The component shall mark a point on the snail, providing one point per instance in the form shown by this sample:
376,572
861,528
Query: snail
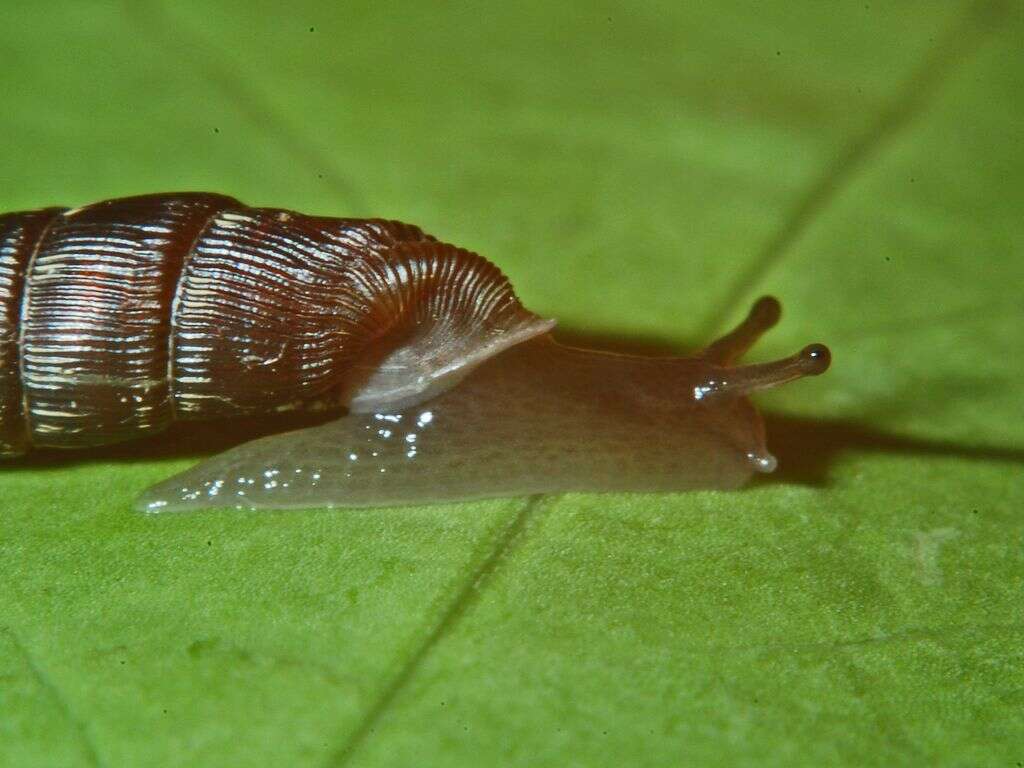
120,317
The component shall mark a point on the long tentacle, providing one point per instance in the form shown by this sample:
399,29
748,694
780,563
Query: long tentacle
729,348
812,360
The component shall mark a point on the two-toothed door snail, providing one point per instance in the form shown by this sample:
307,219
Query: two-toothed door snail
120,317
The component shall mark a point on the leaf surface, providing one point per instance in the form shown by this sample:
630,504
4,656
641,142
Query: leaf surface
641,172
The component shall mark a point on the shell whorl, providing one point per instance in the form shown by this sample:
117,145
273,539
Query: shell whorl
119,317
20,235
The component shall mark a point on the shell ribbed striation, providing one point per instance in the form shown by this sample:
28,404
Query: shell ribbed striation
118,317
19,236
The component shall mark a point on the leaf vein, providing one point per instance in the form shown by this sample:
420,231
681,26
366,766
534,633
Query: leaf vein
959,43
468,593
164,31
50,688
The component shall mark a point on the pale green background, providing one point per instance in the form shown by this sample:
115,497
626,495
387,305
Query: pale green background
642,171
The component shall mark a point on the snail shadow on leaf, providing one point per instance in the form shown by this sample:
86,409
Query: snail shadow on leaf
183,440
805,447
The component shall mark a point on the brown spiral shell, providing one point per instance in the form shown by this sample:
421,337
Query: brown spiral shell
119,317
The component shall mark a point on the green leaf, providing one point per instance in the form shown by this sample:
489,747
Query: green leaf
641,171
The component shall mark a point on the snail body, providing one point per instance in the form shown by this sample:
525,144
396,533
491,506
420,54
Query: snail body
120,317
